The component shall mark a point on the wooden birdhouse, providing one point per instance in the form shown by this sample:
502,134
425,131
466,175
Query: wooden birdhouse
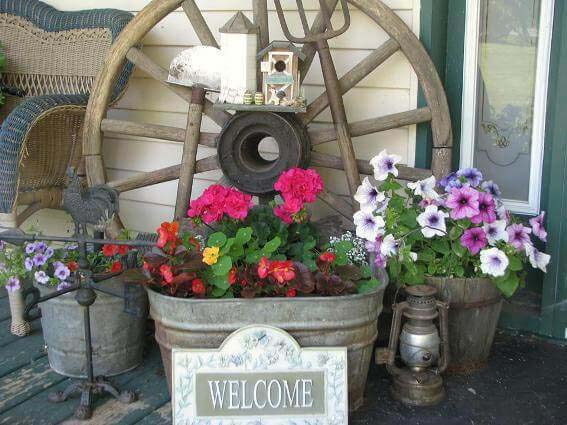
280,69
239,43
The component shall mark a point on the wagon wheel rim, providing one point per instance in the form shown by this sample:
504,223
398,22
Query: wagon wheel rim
401,39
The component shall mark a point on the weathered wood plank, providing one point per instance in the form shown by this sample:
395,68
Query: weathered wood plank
373,125
161,176
7,338
199,24
3,292
161,416
355,75
37,410
154,131
21,352
319,159
4,309
26,382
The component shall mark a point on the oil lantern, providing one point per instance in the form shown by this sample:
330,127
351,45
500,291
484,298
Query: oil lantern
424,353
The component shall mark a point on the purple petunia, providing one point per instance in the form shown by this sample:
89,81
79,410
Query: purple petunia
474,240
41,246
13,284
450,182
39,260
519,236
62,272
490,187
472,176
463,203
63,285
537,226
486,209
30,248
41,277
2,245
28,264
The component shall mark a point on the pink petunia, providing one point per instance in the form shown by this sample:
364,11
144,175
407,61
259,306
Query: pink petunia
486,208
463,202
474,240
537,226
519,236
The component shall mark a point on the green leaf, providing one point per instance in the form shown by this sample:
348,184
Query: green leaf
219,292
427,255
458,249
343,247
508,284
365,286
441,246
515,264
227,246
253,257
341,260
217,239
243,235
366,271
455,233
219,281
272,246
311,265
390,185
223,266
409,218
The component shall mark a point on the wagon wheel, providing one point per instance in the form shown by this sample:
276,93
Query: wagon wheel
297,131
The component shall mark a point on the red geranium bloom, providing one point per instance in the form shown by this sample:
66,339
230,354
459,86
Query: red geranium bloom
110,250
123,249
328,257
168,233
282,271
291,293
263,268
166,273
198,287
73,266
116,267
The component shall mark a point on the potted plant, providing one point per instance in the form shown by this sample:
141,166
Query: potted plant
457,236
263,265
118,337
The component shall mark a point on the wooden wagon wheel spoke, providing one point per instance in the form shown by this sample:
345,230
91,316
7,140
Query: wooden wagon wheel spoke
154,131
199,24
145,63
335,202
163,175
324,160
327,133
309,49
352,78
260,10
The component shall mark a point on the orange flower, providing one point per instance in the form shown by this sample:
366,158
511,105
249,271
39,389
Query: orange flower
168,233
110,250
282,271
263,268
233,276
116,267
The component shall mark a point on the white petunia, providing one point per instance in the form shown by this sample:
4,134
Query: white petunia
493,262
368,196
368,226
425,188
385,164
432,222
538,260
389,246
496,231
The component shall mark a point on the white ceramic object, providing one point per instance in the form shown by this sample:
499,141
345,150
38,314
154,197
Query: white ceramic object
199,65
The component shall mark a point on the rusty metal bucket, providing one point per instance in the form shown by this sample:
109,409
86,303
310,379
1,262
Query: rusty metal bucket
346,321
474,310
117,337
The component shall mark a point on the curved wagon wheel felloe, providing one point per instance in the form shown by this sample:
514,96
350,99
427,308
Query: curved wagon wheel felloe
237,143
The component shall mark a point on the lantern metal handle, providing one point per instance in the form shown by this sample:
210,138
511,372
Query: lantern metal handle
387,356
311,37
444,328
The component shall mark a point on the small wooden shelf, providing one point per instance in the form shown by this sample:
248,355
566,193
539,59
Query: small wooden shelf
258,108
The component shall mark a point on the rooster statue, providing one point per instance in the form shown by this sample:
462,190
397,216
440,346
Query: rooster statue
95,205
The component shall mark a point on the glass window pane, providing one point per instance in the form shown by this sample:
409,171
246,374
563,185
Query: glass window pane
507,63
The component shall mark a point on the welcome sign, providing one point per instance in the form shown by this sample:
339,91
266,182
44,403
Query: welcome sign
260,375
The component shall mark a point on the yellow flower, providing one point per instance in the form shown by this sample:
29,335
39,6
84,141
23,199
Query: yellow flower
211,255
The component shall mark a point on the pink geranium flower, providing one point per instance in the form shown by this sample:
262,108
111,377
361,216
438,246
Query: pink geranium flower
537,226
486,208
299,184
287,211
463,202
519,236
474,240
216,201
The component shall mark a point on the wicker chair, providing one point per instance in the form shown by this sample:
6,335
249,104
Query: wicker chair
54,58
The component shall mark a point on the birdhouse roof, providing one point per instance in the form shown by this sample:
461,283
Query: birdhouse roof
281,45
239,24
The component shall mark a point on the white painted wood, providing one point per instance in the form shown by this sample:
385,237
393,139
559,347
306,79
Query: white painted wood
391,88
469,106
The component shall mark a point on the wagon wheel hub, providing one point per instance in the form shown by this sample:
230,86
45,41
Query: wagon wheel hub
239,149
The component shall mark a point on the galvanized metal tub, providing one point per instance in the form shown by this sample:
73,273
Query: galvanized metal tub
346,321
474,310
117,337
